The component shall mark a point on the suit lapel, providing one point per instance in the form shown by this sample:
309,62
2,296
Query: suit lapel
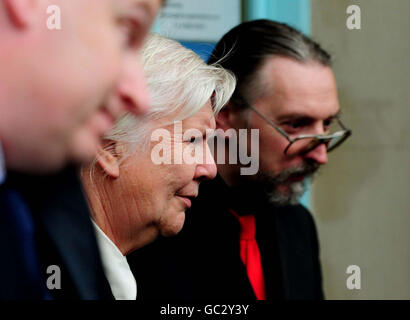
61,212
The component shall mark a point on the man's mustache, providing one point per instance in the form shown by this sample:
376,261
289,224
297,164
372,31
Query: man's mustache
307,169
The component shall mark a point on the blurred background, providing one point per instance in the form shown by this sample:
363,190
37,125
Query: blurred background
361,198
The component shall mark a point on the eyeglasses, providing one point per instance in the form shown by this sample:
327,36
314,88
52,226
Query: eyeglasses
305,143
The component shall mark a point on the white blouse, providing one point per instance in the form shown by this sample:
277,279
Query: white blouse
116,268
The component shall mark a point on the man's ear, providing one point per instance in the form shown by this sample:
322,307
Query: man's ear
22,12
108,161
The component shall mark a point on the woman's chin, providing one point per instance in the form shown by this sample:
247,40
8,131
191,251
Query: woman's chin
174,225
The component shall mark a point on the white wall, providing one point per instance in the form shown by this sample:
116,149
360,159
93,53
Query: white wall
361,200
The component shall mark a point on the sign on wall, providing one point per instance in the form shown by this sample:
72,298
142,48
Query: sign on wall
198,20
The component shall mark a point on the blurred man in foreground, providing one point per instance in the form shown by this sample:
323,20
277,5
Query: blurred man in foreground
60,91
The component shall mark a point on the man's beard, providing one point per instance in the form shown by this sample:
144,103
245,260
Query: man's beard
280,190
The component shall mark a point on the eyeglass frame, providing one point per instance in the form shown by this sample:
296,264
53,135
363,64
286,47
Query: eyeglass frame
323,138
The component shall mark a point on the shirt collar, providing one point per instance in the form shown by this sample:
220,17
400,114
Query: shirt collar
2,166
116,268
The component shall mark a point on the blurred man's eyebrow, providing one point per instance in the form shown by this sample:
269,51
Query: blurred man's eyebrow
148,8
163,3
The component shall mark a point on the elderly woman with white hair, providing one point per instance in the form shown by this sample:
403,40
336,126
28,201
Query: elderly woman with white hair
133,193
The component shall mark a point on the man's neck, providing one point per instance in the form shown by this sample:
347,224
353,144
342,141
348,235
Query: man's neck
243,195
230,174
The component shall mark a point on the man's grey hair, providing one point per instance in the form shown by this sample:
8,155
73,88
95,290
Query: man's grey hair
179,82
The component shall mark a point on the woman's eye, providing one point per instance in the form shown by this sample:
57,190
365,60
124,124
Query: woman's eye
195,140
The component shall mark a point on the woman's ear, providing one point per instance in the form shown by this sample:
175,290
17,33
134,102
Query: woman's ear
22,12
108,160
224,117
229,119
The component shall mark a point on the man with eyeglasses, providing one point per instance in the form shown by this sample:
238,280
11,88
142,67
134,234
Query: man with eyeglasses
247,237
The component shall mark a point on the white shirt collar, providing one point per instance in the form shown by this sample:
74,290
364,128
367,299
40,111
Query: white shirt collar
116,268
2,166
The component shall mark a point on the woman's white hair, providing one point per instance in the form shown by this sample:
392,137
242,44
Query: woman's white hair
179,82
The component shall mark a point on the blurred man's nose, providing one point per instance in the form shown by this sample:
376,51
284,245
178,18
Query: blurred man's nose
318,154
132,90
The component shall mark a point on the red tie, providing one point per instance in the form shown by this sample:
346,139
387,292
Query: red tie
250,254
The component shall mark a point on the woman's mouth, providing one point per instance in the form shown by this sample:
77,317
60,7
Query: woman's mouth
187,199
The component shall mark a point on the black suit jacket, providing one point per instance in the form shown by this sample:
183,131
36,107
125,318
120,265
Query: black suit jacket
65,236
203,261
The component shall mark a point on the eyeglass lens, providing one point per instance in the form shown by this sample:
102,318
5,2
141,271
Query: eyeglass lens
305,145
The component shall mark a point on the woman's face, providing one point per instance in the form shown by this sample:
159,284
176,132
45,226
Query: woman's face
151,197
